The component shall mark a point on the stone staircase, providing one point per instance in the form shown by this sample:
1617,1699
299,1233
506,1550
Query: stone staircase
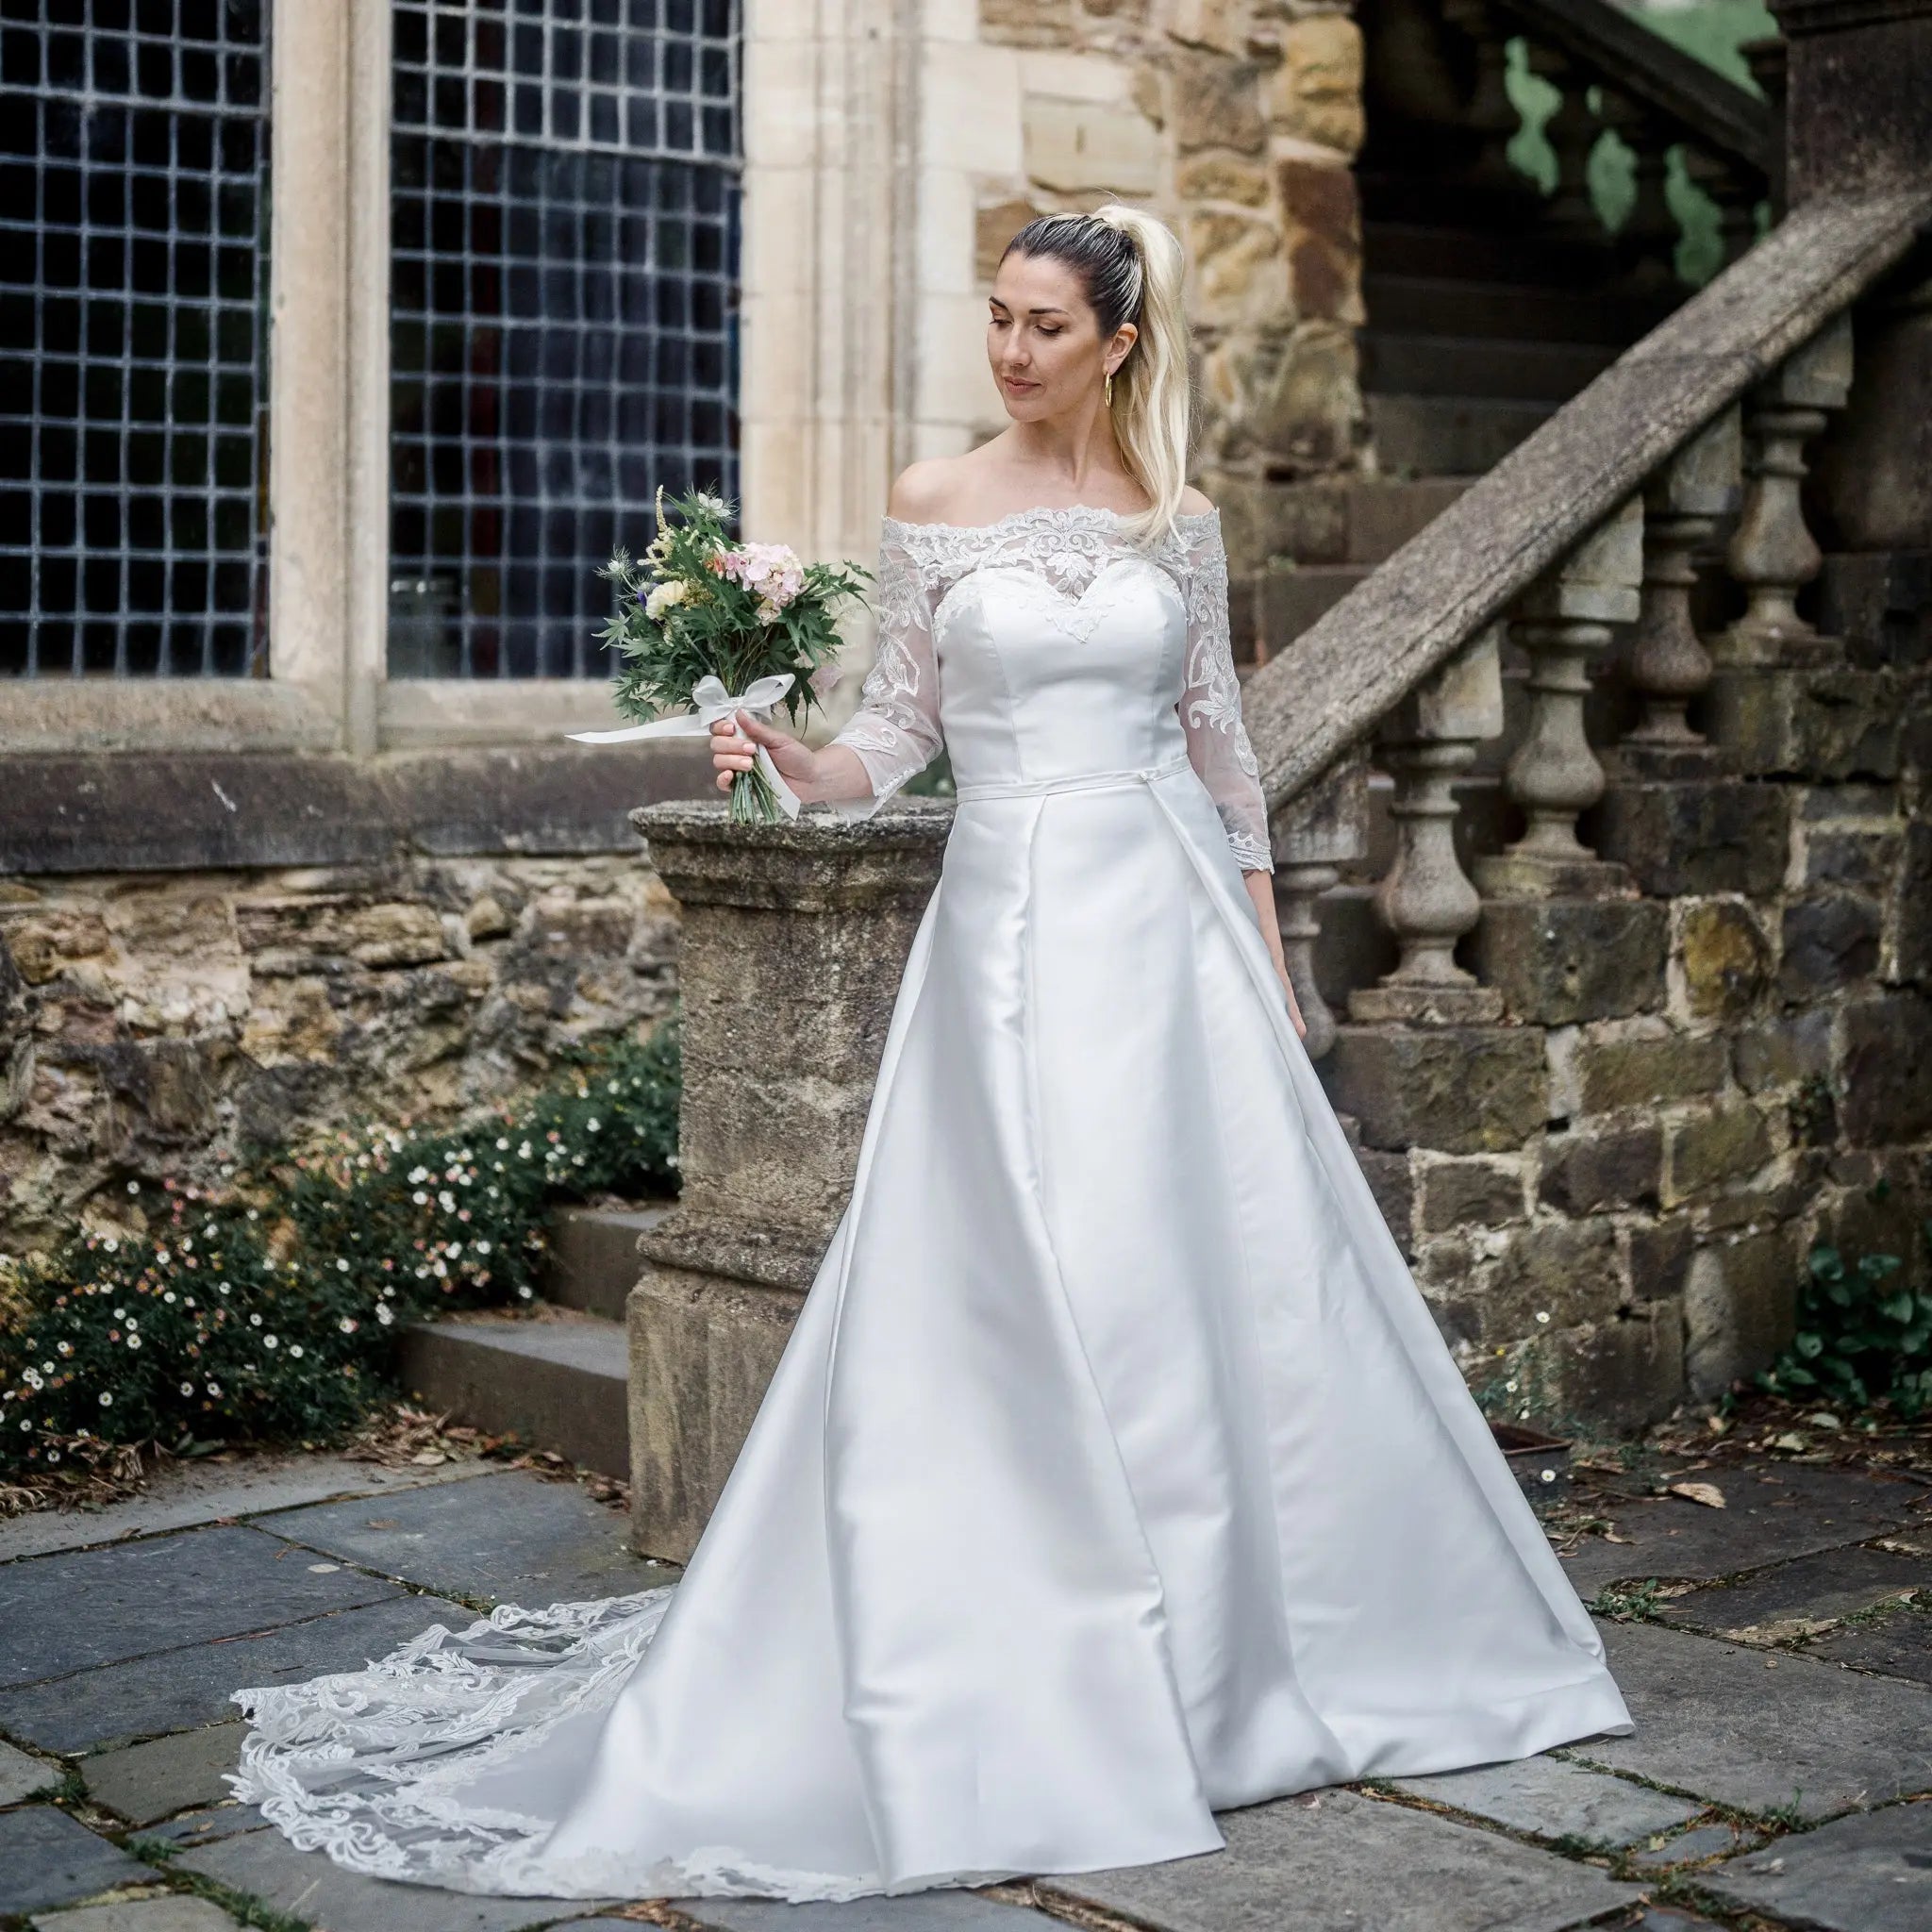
556,1376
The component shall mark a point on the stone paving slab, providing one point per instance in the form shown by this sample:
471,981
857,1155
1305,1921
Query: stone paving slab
89,1607
311,1886
217,1490
208,1826
1706,1842
1756,1731
143,1782
48,1858
511,1537
1870,1872
1351,1863
1897,1642
177,1914
1550,1798
1770,1515
1791,1599
178,1688
21,1776
949,1910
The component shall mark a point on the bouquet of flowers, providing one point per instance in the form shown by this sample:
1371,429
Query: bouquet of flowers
718,627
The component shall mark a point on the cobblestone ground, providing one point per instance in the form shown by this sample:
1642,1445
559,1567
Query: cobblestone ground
1776,1654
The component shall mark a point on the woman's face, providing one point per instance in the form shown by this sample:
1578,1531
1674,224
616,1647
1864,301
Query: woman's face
1043,339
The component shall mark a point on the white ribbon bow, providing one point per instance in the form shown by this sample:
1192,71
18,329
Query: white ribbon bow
710,701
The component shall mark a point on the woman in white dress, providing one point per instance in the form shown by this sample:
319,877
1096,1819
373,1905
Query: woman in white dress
1115,1472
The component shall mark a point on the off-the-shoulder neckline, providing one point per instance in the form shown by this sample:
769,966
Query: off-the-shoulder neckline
1052,510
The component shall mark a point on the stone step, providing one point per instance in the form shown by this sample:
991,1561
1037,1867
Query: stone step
1476,255
1358,520
1448,436
1292,600
1487,367
1453,305
593,1263
556,1379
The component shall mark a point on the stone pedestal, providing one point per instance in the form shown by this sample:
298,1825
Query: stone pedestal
795,942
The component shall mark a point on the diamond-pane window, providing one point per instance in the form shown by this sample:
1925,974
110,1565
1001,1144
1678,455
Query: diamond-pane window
565,178
134,264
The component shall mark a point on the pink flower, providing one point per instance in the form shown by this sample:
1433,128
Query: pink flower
771,572
823,679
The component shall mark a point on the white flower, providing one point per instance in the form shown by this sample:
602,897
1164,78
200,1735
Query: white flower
295,1350
134,1186
347,1324
110,1244
106,1400
665,597
446,1200
119,1314
32,1379
523,1294
418,1176
420,1198
53,1456
1542,1314
591,1124
254,1214
341,1267
270,1342
134,1341
437,1269
168,1295
132,1322
501,1146
382,1314
482,1247
254,1321
188,1388
214,1389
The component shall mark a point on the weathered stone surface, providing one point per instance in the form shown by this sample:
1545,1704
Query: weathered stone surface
1830,942
22,1776
1561,960
1914,940
1725,957
178,1914
1781,1052
72,1612
1316,93
1758,1733
1869,1873
175,1689
310,1887
1694,837
48,1858
1587,1170
1553,1274
1771,1515
1826,721
1347,1860
1325,242
1661,1254
1457,1090
1620,1070
1728,1142
1798,1599
143,1782
931,1911
1549,1798
1739,1307
1394,1187
1626,1370
1238,267
1473,1189
1720,1839
1887,1080
1896,1642
1073,145
1217,102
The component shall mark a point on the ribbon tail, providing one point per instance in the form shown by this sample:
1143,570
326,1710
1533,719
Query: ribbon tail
789,800
685,725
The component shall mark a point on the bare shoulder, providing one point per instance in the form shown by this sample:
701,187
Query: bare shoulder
926,492
1192,503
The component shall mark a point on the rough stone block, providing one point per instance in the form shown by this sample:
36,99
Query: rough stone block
1727,1142
1725,957
1585,1170
703,1350
1072,146
1783,1051
1695,837
1457,1090
1803,1598
1914,940
144,1782
1553,1276
1661,1256
1647,1070
1472,1190
1871,1872
176,1913
1562,960
1548,1797
1886,1084
1391,1182
48,1858
1830,941
1626,1370
22,1776
1740,1299
1217,102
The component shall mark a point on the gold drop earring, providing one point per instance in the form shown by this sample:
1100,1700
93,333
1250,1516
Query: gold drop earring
1110,389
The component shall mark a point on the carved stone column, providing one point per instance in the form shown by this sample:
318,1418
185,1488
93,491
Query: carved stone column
1316,833
794,942
1552,774
1426,899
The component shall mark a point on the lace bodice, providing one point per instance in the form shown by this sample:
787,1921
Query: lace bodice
897,730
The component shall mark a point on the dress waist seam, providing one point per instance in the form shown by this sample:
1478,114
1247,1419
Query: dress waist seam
1076,781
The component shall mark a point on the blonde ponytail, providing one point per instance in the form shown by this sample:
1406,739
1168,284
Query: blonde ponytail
1133,267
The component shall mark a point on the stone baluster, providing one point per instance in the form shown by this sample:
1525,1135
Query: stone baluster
1573,131
1667,664
1766,59
1737,193
1647,242
1490,114
1562,622
1316,833
1426,899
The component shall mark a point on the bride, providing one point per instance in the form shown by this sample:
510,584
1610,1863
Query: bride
1115,1472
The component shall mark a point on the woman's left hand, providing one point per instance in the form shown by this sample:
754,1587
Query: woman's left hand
1295,1011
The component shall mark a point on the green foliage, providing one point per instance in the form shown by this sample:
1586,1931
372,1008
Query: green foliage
1860,1338
270,1310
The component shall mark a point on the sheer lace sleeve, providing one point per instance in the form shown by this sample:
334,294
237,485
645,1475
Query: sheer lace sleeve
1211,705
895,730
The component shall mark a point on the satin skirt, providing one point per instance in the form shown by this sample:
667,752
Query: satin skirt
1115,1474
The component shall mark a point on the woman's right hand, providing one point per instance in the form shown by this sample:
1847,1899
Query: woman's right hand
735,739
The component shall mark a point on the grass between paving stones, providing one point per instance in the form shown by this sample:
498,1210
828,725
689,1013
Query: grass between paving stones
268,1309
240,1905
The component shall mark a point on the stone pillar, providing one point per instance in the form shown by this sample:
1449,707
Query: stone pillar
794,942
1858,73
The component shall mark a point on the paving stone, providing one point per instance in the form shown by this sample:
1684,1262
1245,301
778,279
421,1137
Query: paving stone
182,1689
511,1537
1897,1641
207,1825
89,1607
1668,1919
47,1858
950,1911
190,1494
1869,1873
174,1914
1550,1798
21,1776
143,1782
1770,1515
1349,1863
1756,1732
1706,1842
1795,1599
308,1885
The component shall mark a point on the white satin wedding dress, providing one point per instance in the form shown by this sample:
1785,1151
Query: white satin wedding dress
1116,1471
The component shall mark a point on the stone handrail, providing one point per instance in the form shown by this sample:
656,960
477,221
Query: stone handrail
1325,692
1611,45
